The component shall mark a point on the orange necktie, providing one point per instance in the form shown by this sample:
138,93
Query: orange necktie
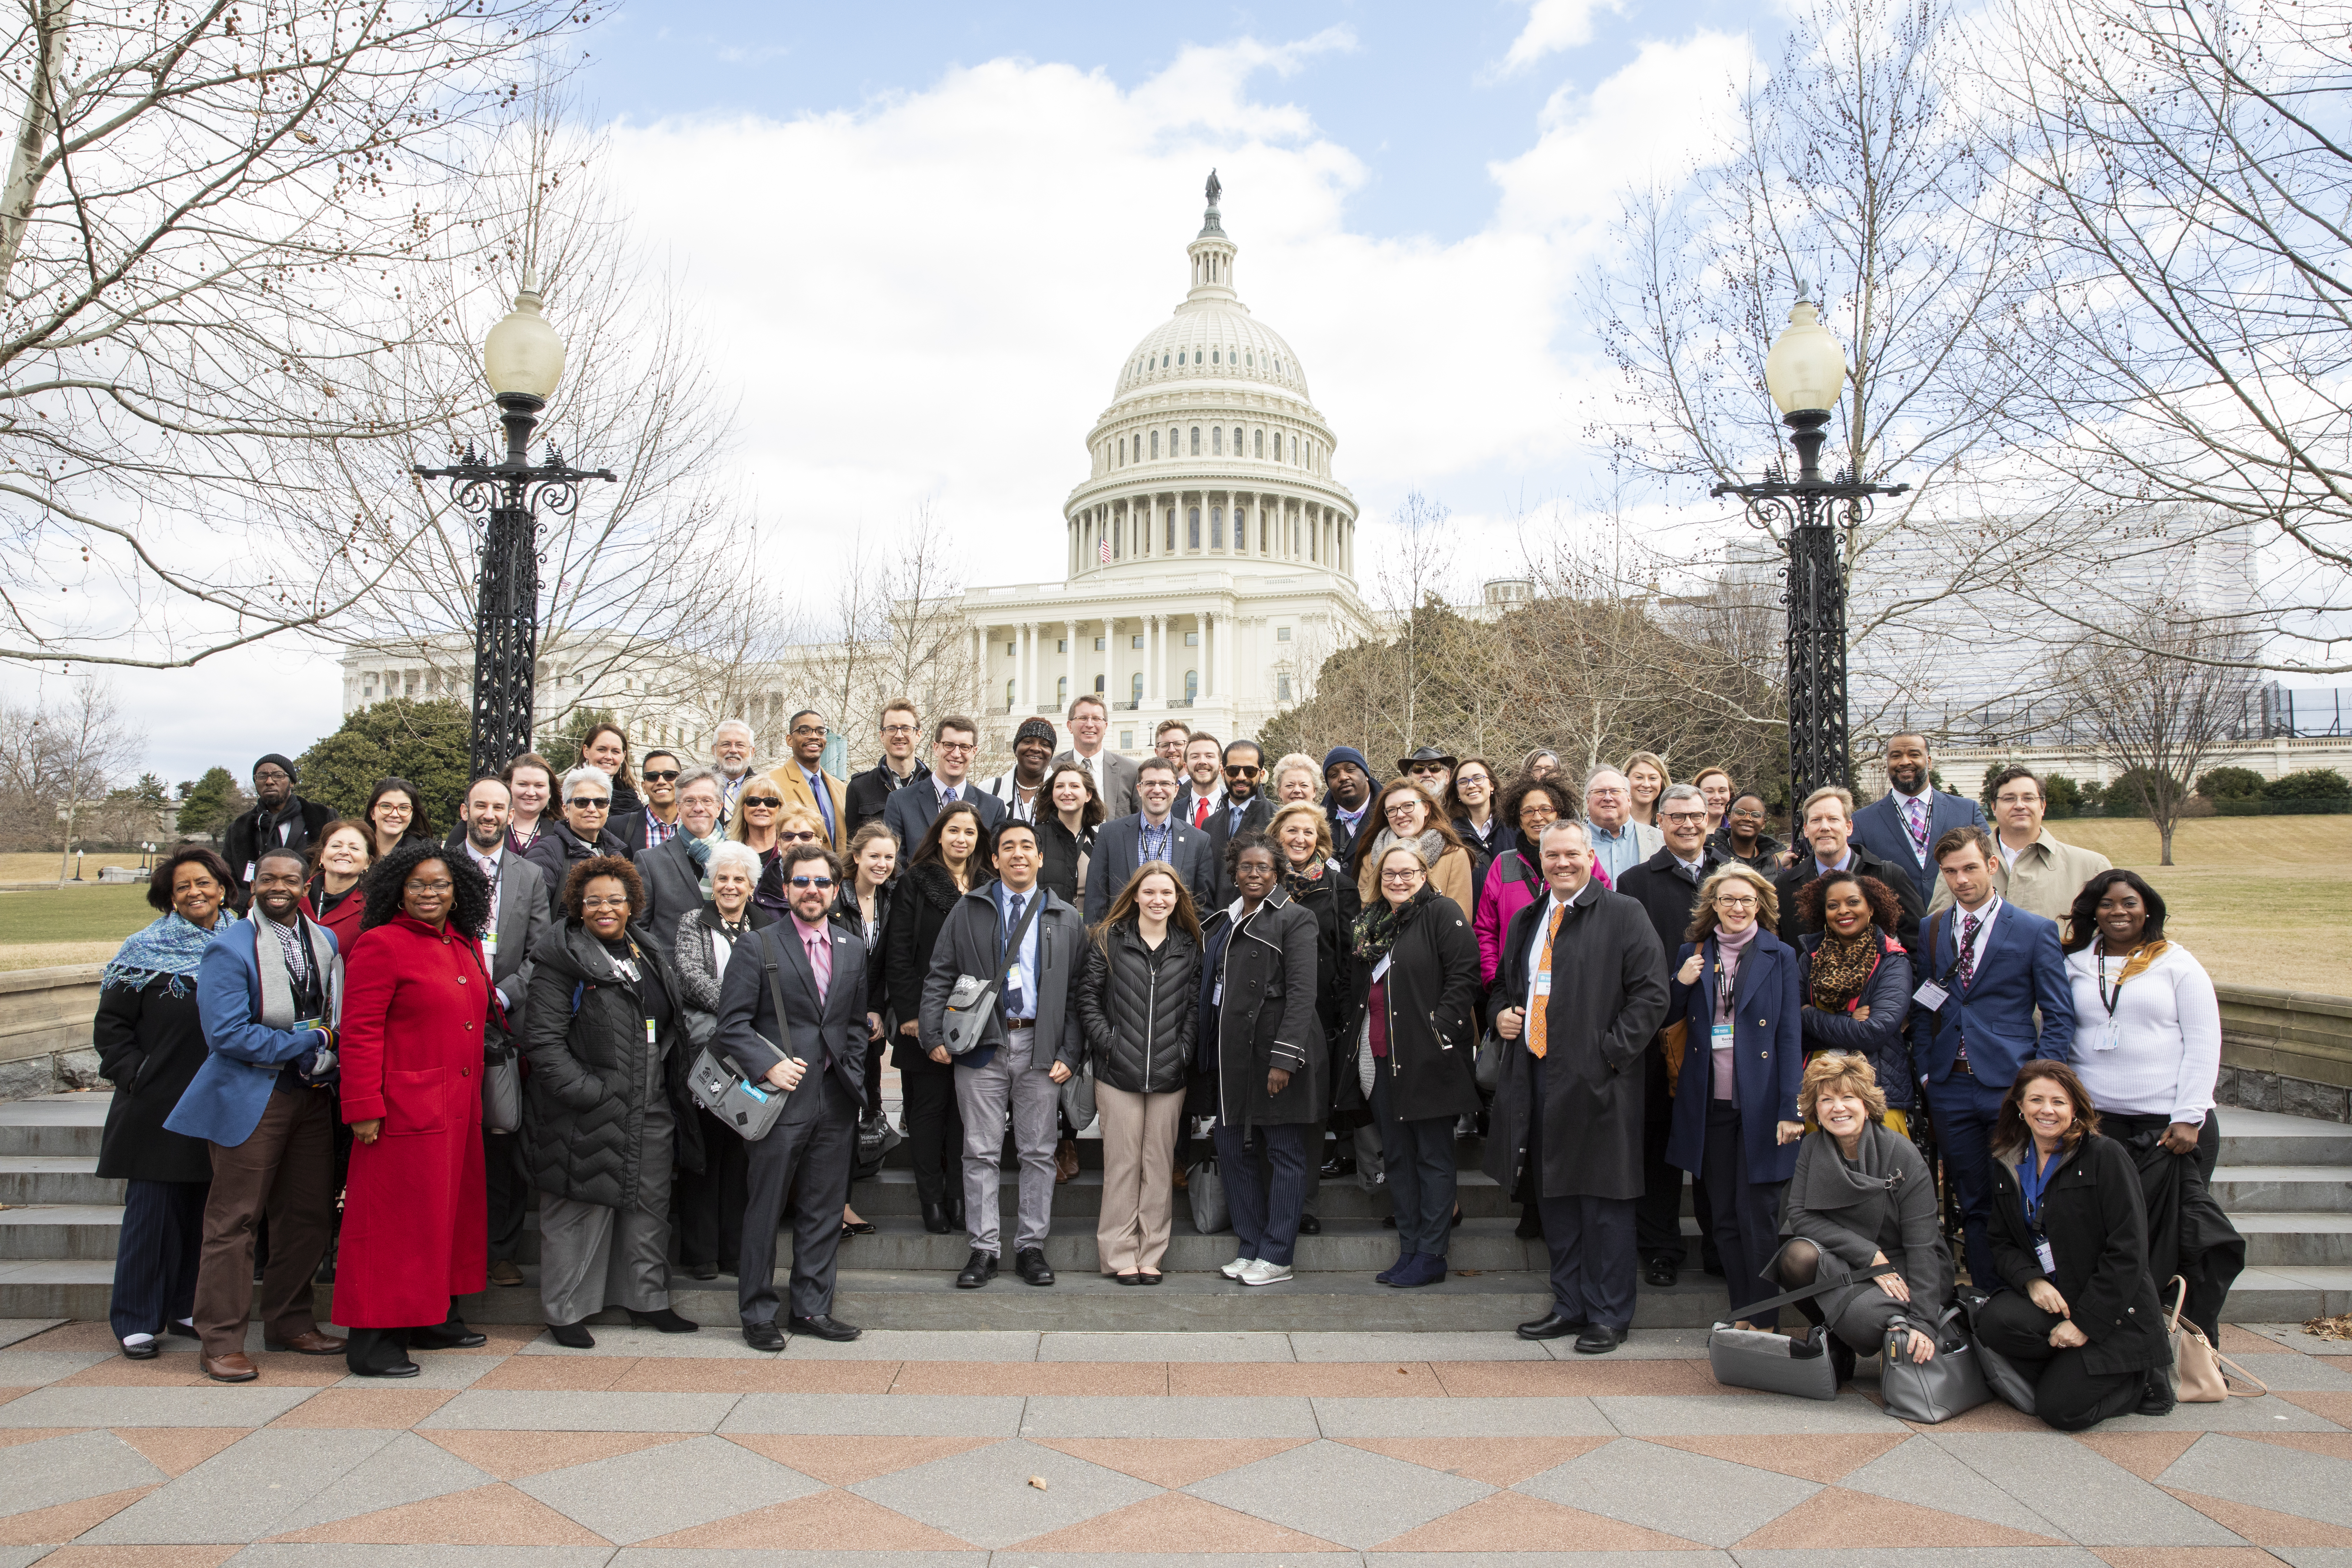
1536,1044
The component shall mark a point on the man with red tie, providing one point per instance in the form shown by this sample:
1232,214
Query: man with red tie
1204,785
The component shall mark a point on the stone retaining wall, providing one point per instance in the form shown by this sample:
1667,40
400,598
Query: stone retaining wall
44,1017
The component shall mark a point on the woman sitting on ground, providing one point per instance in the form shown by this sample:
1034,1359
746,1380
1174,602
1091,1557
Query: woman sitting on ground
2070,1240
1862,1195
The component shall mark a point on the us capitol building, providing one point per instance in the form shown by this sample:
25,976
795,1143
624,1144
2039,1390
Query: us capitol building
1209,560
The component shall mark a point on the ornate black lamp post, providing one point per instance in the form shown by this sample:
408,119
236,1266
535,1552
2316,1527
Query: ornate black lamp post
1805,371
523,360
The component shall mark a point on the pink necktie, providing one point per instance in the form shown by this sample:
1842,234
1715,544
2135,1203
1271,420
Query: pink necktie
820,951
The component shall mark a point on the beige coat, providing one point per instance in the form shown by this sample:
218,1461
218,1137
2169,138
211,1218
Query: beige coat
786,777
2047,876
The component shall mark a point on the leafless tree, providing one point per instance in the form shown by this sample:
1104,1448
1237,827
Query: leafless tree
1413,572
56,761
641,569
210,219
2158,698
2180,167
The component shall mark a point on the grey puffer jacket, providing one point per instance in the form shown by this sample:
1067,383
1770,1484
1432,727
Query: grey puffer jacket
591,1074
1141,1009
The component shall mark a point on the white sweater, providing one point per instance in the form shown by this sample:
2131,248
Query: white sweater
2168,1050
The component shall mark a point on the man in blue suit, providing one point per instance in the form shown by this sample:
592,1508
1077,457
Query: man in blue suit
1913,816
265,1100
911,808
1155,833
1987,966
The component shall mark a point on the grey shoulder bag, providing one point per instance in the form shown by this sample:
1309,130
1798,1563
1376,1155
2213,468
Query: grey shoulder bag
973,1002
718,1086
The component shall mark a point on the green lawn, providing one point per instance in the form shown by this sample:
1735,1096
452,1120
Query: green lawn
68,925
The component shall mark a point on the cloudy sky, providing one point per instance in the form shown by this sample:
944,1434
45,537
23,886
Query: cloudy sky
920,239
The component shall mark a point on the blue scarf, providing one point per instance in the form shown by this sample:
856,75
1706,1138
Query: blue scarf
170,947
698,849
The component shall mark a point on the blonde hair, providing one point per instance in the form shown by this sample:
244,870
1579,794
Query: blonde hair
1308,809
1767,902
1836,1072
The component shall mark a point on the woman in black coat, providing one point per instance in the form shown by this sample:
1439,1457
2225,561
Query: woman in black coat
1413,997
1068,813
1261,1057
944,867
2082,1320
150,1043
1319,884
1139,1003
1856,981
607,1111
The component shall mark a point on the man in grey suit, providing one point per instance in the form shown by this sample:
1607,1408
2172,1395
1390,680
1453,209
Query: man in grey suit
1151,834
672,875
820,969
908,816
1904,824
1114,775
519,914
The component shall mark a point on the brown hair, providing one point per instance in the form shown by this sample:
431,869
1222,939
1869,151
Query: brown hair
1767,902
528,760
867,835
1452,806
1124,906
1960,838
1377,811
588,740
1839,1072
356,826
2010,1138
1090,814
575,885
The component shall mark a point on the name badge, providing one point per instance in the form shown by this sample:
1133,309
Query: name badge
1931,996
2111,1035
1722,1039
649,1031
302,1024
1381,969
248,871
2049,1260
1217,993
1543,982
490,945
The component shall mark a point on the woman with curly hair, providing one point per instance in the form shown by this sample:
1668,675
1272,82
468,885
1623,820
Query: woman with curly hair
609,1110
1856,980
416,1213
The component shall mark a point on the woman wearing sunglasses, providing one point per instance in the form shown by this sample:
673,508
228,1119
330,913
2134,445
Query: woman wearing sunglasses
582,834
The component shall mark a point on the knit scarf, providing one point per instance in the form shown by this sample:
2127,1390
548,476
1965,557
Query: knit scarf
1842,966
698,849
1430,844
1378,927
171,947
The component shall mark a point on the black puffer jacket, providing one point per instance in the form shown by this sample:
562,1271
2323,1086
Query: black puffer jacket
1141,1009
592,1074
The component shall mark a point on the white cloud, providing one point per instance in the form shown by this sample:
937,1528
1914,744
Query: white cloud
1553,25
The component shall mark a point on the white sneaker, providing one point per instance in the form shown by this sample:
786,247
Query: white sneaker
1264,1273
1238,1268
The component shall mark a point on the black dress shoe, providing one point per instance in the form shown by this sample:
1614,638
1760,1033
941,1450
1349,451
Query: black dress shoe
2156,1399
764,1336
935,1218
823,1326
1146,1280
1030,1264
186,1331
955,1213
453,1336
1530,1224
145,1349
978,1270
667,1321
702,1270
571,1336
1129,1278
1598,1339
1309,1226
1338,1166
1553,1325
1662,1272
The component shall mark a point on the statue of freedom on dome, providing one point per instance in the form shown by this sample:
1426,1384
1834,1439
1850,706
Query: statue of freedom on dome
1215,190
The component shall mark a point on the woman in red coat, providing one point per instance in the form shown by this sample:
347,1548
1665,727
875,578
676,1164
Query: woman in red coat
416,1216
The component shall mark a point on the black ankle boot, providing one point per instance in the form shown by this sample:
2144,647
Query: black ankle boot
573,1336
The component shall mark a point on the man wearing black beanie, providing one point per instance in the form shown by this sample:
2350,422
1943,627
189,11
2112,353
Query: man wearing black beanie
279,818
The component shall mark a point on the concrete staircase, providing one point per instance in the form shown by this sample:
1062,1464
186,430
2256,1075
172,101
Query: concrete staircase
2286,1181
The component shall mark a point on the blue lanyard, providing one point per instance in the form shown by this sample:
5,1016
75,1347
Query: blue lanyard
2032,1182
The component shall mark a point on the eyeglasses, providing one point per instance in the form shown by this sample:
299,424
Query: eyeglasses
897,728
1684,816
1461,779
619,903
811,881
652,777
590,803
442,886
770,801
1733,901
816,729
958,747
803,837
1426,770
1405,808
1410,874
1242,770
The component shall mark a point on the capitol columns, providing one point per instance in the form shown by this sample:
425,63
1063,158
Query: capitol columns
1071,675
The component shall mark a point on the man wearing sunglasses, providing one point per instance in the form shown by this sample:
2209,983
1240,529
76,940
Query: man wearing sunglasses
1243,809
586,797
657,787
815,1056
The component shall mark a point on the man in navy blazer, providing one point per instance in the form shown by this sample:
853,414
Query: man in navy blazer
820,1072
1912,818
1119,846
264,1098
913,805
1997,964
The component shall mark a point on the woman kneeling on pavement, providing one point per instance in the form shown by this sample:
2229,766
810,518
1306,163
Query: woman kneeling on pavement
2070,1239
1861,1197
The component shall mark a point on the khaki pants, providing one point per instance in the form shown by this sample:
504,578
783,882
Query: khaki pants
285,1168
1139,1138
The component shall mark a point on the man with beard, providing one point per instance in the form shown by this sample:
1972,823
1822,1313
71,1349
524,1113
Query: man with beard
1243,809
1904,823
279,820
870,791
1033,749
731,749
519,915
1347,793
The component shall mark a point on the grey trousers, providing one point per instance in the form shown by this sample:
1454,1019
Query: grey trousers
592,1256
985,1096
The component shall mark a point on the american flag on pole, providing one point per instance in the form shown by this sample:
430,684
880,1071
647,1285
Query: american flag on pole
1102,548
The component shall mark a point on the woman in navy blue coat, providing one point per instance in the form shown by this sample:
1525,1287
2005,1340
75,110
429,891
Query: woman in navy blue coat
1857,982
1736,1121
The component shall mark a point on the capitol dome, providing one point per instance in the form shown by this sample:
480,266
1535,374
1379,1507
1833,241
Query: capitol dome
1212,449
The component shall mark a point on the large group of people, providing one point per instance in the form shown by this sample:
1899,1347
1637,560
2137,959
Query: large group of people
1299,971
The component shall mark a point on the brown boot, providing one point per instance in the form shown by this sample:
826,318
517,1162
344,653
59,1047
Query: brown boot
1066,1160
234,1367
